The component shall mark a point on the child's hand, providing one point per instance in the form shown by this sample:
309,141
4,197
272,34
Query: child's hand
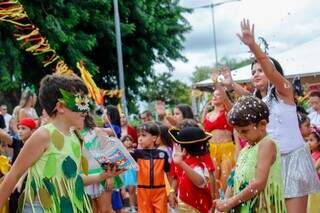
111,171
247,33
173,201
221,205
178,154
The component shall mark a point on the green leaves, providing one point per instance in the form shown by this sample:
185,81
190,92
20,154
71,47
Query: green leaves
152,31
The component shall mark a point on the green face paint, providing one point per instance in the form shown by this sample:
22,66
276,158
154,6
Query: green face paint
76,103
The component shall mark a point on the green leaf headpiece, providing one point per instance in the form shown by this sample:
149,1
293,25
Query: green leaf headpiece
76,103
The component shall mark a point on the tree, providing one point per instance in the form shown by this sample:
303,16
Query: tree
201,73
152,32
162,87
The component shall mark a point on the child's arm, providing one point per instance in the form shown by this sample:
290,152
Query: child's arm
219,87
266,157
317,164
5,137
194,176
109,173
30,153
283,86
230,84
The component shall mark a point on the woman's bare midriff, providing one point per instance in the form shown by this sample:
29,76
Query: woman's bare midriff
220,136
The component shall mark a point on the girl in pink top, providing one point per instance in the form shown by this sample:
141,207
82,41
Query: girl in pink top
314,142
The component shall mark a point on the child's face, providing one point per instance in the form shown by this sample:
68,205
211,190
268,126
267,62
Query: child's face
75,119
315,103
178,116
305,129
253,132
146,140
24,132
313,142
128,142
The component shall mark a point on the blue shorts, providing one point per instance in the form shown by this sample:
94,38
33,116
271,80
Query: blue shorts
116,200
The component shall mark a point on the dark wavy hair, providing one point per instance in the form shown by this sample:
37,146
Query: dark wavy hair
279,69
247,110
114,115
186,110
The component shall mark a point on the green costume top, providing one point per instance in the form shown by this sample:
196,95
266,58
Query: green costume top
271,198
54,179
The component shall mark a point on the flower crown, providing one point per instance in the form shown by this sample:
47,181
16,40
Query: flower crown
76,102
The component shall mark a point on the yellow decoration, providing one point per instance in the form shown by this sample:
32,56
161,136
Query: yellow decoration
91,85
4,165
45,198
57,139
84,165
196,93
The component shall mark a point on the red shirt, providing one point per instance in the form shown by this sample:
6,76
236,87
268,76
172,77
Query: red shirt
219,123
198,198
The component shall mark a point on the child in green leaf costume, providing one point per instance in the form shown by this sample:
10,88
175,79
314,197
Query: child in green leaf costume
258,183
52,155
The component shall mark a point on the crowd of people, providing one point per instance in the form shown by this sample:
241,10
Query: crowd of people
249,152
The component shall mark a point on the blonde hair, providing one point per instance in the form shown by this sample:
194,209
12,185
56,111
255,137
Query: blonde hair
25,97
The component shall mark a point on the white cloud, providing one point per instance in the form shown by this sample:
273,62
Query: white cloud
283,24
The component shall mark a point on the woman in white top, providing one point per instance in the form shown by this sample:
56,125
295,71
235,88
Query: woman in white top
300,178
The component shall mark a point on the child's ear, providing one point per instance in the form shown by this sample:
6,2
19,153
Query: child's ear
263,123
155,138
59,107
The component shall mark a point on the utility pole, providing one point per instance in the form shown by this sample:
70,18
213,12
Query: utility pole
212,6
119,56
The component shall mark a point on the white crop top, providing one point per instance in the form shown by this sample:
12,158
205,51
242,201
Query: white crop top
283,125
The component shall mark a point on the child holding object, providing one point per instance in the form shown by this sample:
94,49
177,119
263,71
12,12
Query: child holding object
52,155
192,193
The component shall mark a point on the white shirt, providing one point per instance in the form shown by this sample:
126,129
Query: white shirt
315,118
7,118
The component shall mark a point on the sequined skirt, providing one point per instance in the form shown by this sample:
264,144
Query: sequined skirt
299,174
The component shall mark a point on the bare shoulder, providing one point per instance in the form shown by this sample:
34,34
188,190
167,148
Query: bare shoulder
268,148
268,144
41,138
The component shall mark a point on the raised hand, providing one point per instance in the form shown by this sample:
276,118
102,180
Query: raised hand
214,75
247,33
178,154
226,73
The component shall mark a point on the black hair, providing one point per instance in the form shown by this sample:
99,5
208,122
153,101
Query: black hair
89,122
302,117
149,127
279,69
248,110
114,115
125,137
186,110
188,123
49,92
197,149
164,134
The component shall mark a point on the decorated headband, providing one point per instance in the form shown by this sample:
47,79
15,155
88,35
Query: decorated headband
77,103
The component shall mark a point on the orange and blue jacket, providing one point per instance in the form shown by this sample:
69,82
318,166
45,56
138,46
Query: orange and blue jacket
153,164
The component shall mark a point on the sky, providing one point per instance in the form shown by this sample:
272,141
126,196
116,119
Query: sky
283,23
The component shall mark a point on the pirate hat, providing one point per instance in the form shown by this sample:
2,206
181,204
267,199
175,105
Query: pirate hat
189,135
